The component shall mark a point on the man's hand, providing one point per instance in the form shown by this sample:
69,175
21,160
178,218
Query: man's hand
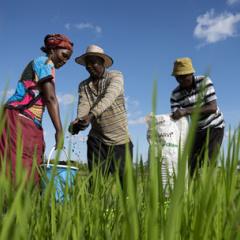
87,119
80,124
179,113
74,127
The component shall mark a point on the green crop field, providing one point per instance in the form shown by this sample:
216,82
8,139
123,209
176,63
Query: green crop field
205,207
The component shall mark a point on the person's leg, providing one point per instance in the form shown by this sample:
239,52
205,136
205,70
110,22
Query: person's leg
196,155
21,142
96,155
5,144
93,149
119,158
33,147
94,152
215,142
107,160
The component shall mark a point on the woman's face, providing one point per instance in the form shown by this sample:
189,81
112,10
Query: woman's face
60,56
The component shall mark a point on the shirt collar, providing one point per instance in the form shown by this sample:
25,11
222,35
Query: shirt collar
90,84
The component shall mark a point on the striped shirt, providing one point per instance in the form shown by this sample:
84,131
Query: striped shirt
203,88
108,106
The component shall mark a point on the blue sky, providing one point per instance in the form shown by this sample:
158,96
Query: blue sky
143,37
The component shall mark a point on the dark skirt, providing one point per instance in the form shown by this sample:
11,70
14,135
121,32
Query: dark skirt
18,127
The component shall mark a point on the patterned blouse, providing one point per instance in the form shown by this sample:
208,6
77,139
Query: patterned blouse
27,98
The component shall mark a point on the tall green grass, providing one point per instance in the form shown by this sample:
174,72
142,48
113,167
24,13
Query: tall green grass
206,207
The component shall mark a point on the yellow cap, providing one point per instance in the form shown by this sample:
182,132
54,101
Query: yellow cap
183,66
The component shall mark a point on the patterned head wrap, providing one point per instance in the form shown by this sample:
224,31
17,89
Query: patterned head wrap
52,41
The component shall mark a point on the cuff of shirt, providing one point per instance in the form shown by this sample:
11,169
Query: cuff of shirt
94,113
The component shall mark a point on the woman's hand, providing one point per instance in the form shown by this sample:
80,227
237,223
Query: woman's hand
59,139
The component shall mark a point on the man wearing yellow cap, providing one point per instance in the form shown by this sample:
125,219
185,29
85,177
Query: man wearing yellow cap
184,99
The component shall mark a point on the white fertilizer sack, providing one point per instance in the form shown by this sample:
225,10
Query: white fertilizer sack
170,135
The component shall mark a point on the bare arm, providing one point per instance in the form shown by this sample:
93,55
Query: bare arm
50,99
208,108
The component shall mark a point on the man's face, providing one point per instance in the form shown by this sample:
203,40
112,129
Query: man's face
185,81
95,66
60,56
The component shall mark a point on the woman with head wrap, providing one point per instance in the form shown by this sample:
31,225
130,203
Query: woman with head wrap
23,111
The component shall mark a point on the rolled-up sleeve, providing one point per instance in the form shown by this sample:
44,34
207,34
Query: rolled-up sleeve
113,90
83,102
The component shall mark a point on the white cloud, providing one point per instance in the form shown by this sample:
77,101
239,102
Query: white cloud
140,120
65,99
84,25
133,108
67,26
7,93
231,2
134,112
10,92
213,28
131,103
98,29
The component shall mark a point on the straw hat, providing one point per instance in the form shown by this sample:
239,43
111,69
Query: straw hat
94,50
183,66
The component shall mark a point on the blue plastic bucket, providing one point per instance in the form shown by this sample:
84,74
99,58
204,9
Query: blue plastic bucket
63,176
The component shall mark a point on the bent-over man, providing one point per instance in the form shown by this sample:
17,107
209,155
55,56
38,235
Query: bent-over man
184,99
102,104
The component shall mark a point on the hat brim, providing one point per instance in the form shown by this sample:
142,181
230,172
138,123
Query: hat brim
108,61
179,73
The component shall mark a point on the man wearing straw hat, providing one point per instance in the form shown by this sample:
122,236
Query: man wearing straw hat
102,104
184,98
